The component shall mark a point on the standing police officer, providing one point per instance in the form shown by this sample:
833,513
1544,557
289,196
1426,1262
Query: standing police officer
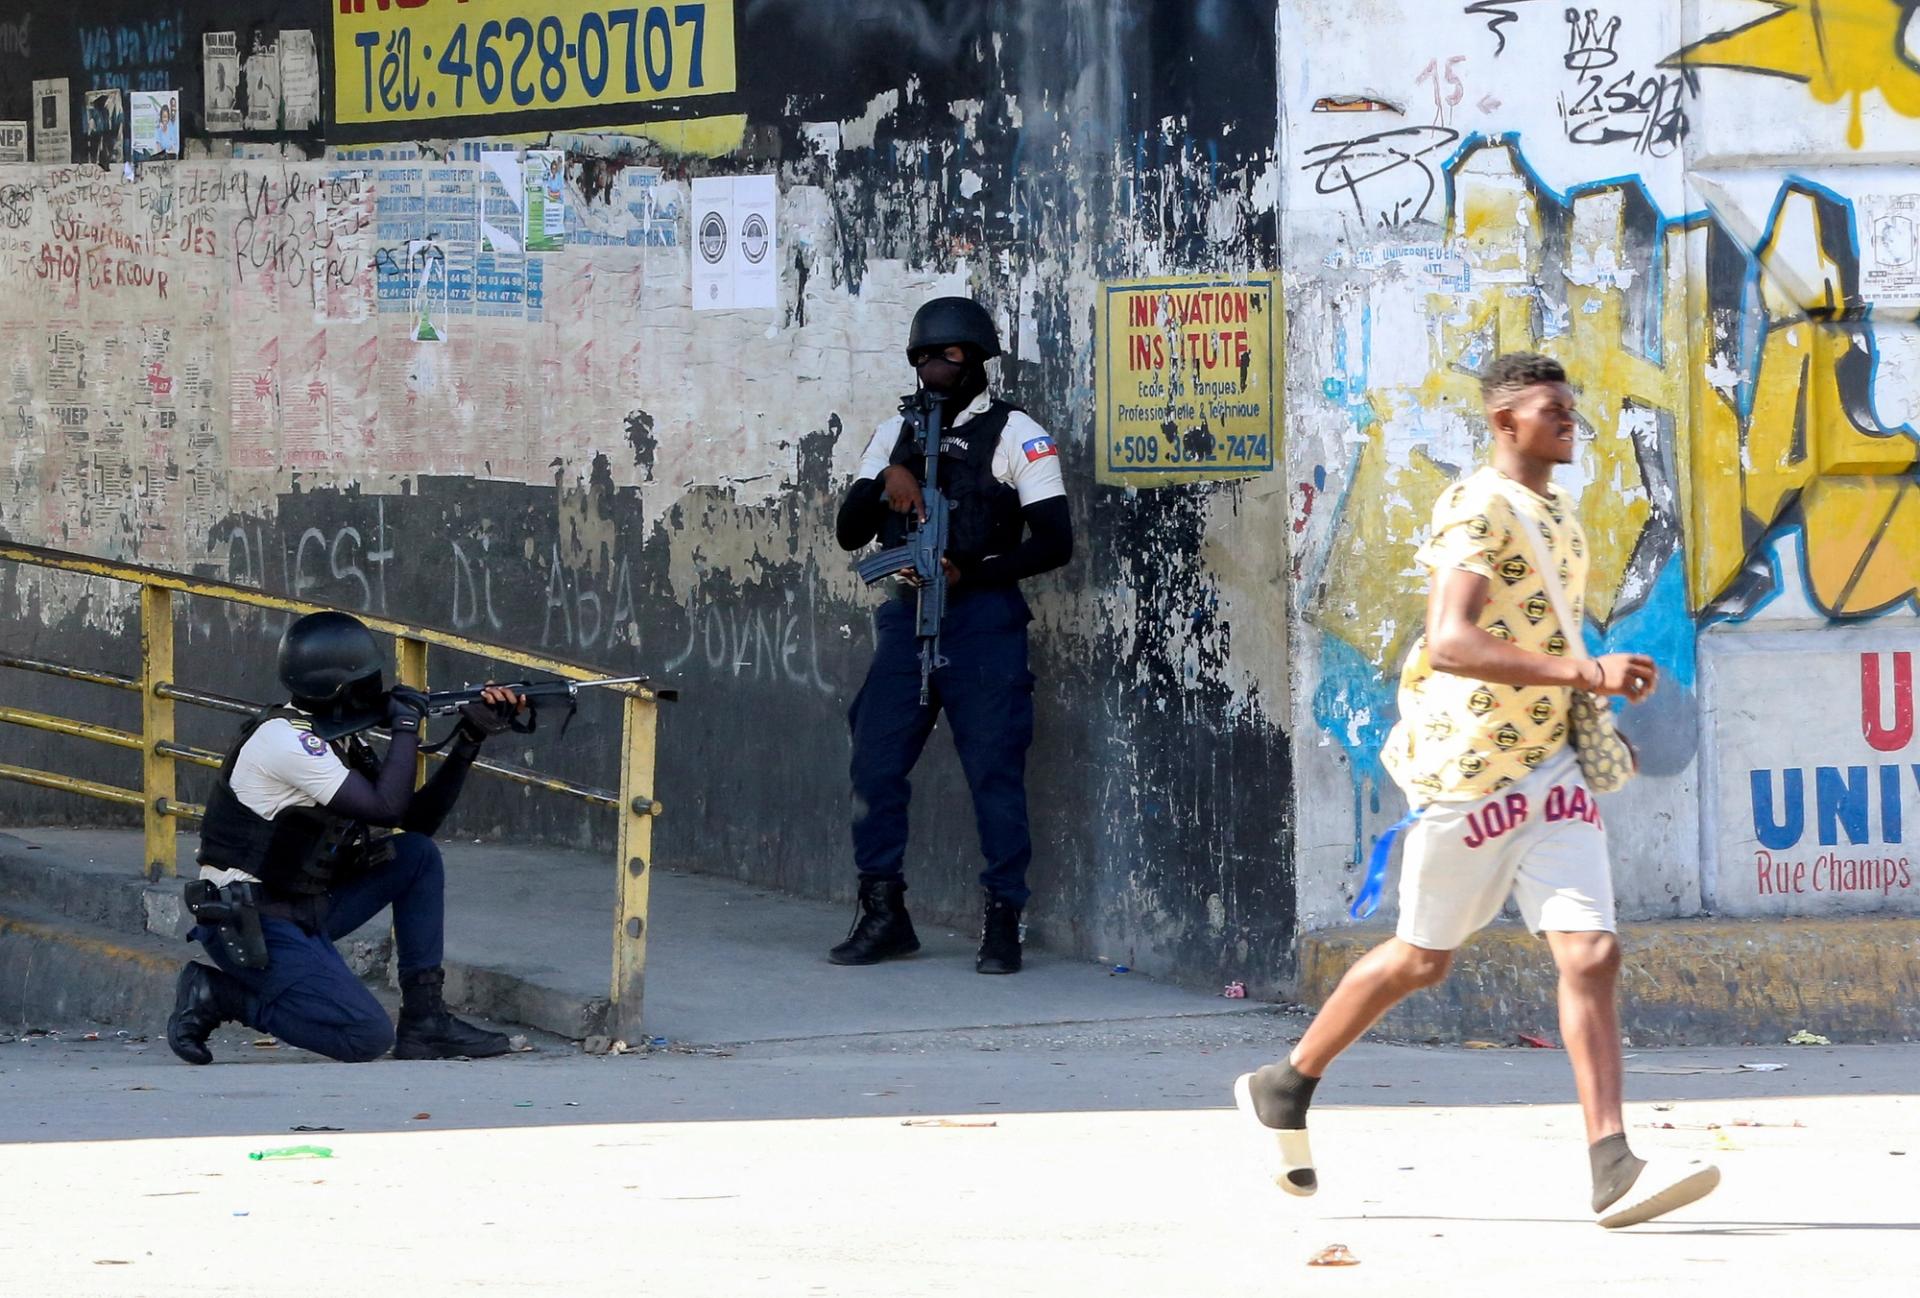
289,864
1009,521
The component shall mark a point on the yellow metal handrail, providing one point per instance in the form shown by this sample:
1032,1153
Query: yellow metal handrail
159,751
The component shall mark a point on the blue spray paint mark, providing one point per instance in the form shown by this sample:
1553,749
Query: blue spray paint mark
1357,707
1660,628
1347,386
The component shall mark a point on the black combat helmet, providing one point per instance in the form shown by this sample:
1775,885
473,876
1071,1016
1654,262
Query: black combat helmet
949,320
331,664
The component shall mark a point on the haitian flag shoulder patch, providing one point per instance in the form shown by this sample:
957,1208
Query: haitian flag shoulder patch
1039,449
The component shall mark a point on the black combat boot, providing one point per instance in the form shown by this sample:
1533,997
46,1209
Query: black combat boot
999,939
882,928
203,999
427,1031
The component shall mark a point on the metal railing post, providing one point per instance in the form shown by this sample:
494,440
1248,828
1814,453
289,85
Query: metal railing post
410,668
639,720
156,728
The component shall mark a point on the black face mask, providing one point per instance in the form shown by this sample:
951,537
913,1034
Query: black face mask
959,383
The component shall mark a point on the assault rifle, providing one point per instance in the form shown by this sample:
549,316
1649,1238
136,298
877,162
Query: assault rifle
538,694
925,548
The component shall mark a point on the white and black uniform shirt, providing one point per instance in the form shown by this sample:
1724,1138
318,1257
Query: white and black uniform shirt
283,764
1026,458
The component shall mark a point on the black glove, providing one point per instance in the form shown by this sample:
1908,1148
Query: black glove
405,708
482,720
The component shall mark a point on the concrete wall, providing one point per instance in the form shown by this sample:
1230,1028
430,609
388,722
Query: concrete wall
1707,212
1703,208
214,365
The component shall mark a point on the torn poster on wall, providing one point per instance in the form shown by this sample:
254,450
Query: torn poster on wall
52,132
736,258
154,116
452,201
1186,376
544,201
103,129
500,269
220,70
13,141
642,210
427,282
263,86
299,81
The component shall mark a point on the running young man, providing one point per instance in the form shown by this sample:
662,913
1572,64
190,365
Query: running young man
1481,748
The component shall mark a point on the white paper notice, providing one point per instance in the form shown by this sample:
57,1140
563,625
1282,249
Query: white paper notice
52,121
220,64
13,141
299,80
735,256
756,262
712,236
1890,250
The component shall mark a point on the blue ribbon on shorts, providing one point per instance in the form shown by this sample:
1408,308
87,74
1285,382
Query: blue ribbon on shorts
1368,899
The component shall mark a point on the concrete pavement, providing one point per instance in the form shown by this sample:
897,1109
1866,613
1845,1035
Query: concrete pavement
1113,1165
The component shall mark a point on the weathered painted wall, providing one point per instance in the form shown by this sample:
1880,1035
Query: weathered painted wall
212,365
1703,208
1706,211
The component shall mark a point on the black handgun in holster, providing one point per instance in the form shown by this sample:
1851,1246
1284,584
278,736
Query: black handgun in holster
233,913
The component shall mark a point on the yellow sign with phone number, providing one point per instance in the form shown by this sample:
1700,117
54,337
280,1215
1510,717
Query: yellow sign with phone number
403,60
1187,380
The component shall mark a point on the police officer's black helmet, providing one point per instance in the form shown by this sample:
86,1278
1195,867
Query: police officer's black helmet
949,320
330,663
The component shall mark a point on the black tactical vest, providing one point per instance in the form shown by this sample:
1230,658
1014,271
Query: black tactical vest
303,851
985,517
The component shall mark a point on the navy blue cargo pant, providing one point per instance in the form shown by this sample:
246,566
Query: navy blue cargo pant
306,996
987,694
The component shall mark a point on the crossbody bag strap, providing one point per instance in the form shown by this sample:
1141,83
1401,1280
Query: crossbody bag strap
1543,563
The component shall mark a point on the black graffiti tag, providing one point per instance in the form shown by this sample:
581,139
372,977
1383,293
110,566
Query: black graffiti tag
1391,175
1647,111
1498,14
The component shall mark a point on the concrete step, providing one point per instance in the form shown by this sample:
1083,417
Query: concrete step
530,941
85,876
59,972
74,901
1683,982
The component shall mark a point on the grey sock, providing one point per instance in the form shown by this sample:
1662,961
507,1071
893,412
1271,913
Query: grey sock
1281,1094
1615,1169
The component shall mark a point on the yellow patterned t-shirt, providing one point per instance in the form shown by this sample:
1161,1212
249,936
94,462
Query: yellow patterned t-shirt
1460,739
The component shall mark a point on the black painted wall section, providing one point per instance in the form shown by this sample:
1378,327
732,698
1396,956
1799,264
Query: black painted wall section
1162,802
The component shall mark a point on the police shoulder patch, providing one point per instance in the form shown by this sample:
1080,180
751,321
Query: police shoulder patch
313,743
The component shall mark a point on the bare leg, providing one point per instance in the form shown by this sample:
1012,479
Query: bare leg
1590,1023
1381,979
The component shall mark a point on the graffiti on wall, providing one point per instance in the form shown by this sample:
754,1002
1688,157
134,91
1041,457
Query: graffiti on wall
1747,393
1838,49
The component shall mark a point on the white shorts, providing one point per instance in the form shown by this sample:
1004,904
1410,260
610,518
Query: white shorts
1541,840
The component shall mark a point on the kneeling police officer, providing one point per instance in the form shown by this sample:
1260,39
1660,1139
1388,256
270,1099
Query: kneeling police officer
290,862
